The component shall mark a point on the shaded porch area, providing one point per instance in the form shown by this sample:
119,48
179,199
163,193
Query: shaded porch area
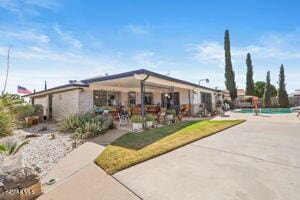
141,95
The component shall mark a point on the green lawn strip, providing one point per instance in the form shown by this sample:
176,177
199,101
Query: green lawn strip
134,148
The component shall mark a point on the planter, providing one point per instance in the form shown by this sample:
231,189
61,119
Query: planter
137,126
149,124
169,117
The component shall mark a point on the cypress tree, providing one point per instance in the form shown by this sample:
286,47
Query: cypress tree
267,92
229,73
45,87
282,93
249,76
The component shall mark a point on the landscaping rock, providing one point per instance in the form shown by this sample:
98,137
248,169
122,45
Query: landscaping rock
10,163
20,184
42,152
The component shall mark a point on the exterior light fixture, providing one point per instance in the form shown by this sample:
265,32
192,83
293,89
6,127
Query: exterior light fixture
206,80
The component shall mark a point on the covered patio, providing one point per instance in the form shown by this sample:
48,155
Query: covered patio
126,91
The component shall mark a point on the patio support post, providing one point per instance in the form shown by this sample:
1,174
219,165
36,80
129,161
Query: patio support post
190,104
142,98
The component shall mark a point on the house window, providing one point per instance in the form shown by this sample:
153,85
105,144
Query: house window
169,100
112,98
206,98
106,98
100,98
148,98
131,98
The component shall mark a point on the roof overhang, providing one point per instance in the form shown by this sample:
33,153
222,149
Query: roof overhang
152,77
62,88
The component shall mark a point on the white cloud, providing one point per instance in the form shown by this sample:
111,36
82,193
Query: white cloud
271,46
150,59
21,7
25,35
67,37
137,29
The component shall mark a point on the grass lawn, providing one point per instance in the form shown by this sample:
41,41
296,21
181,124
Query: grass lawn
133,148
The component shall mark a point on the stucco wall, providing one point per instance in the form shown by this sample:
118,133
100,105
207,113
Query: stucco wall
65,103
86,100
42,101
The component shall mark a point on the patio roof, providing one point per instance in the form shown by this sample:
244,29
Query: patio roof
142,71
128,77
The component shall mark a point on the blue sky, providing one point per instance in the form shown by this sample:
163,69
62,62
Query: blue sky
71,39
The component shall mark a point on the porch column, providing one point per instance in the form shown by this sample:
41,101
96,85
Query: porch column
142,98
190,103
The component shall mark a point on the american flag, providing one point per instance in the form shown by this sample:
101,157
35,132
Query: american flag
23,90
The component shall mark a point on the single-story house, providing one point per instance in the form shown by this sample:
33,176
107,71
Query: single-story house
124,89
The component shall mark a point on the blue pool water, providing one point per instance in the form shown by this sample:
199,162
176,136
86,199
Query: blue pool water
266,110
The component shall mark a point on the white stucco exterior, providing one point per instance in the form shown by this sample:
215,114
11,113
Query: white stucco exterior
80,97
65,103
44,102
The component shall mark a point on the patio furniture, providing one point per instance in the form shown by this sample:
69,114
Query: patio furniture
123,119
161,116
185,111
153,109
136,111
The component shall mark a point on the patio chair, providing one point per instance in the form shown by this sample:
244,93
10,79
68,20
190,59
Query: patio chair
161,116
123,119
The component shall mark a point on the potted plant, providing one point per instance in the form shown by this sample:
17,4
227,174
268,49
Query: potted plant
149,120
170,114
137,122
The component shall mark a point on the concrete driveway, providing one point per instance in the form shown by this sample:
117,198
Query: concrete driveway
259,159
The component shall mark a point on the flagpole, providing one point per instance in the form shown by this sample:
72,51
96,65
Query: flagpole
7,70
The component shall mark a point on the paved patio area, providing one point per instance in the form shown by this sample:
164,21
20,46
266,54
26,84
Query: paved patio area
259,159
79,178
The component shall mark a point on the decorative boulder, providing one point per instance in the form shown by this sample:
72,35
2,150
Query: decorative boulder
20,184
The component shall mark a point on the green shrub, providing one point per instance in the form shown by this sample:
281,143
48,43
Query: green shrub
8,117
85,125
11,148
137,119
23,111
150,117
6,120
170,112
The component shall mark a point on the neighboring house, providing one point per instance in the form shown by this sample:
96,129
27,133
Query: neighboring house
124,89
295,97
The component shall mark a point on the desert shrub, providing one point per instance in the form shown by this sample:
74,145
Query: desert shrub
11,148
24,110
8,117
85,125
6,120
11,100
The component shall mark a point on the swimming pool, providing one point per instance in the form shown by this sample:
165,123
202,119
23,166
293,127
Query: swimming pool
266,110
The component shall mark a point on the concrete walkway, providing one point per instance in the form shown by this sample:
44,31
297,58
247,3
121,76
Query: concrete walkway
259,159
79,178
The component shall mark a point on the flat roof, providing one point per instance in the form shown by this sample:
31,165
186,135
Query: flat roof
142,71
86,82
60,88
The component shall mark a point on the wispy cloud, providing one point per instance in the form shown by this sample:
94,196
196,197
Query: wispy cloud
21,7
271,46
137,29
150,59
67,37
25,35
